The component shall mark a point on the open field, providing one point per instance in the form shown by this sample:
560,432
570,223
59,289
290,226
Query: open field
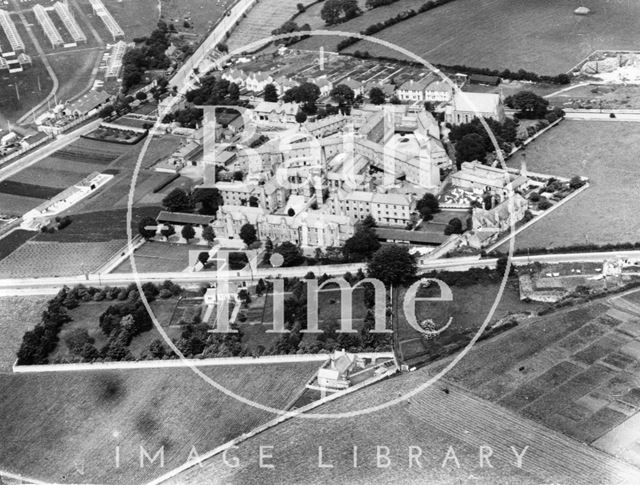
260,21
17,315
73,69
99,226
469,308
14,187
201,15
52,420
575,371
160,256
607,211
36,258
543,37
617,96
17,205
136,18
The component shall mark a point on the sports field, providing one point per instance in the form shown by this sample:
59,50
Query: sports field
160,256
55,423
543,36
200,15
607,212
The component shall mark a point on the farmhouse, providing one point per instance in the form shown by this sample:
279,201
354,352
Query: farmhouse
334,374
467,106
257,81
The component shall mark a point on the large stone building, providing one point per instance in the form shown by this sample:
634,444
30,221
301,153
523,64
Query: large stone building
466,106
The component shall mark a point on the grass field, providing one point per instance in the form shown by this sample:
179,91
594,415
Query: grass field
17,315
160,256
99,226
201,15
36,258
469,308
87,316
52,420
16,205
607,211
543,37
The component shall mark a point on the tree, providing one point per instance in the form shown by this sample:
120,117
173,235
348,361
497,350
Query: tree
470,148
393,265
291,254
188,232
157,349
301,117
209,199
576,182
208,234
376,96
222,47
141,95
177,200
106,111
77,338
361,245
253,201
335,11
454,227
168,231
270,93
203,257
147,227
427,206
529,104
291,212
369,222
344,96
300,8
306,94
248,234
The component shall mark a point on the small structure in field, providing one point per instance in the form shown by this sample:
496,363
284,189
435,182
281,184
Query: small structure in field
582,11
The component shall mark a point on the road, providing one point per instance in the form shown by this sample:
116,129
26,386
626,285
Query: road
37,286
35,156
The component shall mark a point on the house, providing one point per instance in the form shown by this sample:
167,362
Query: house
279,112
481,178
466,106
323,83
484,79
413,90
388,209
438,91
236,76
88,103
335,373
256,81
283,84
356,86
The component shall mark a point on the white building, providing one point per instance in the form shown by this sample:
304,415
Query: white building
466,106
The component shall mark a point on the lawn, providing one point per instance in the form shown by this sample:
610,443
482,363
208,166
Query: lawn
48,177
51,421
87,316
136,18
17,315
16,205
160,257
39,259
544,37
99,226
13,241
606,213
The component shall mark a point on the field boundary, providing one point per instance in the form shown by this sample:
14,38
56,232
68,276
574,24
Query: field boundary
182,363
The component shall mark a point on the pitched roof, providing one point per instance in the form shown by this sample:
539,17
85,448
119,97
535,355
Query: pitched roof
411,236
476,102
412,85
183,218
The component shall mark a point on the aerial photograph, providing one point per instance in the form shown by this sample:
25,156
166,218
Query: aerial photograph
320,242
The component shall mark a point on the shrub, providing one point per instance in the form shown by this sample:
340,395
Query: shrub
543,204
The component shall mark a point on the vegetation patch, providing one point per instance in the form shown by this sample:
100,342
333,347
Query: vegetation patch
13,187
